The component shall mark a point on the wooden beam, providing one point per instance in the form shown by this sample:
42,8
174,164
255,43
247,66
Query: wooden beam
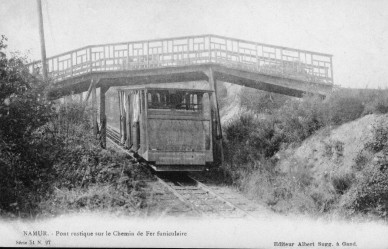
215,116
103,90
269,83
93,83
94,109
127,121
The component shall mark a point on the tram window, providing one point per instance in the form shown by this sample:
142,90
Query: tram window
149,98
205,105
175,99
158,100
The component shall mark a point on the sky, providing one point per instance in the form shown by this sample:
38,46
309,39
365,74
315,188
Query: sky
355,32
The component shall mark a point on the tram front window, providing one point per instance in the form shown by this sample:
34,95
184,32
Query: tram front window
178,100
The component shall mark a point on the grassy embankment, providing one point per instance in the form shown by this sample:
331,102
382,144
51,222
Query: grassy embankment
50,162
303,156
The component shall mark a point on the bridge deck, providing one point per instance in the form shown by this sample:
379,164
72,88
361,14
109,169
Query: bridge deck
260,60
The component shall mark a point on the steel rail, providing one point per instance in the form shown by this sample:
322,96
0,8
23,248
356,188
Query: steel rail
189,189
206,188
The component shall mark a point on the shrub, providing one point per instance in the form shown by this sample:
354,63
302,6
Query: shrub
42,150
83,169
249,138
26,146
361,160
370,194
376,101
344,106
261,101
343,182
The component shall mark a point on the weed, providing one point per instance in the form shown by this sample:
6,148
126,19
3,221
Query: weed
343,182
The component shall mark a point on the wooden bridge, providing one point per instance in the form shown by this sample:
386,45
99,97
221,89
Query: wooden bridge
193,58
262,66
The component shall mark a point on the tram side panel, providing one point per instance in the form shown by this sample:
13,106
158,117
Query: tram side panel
183,141
178,136
167,136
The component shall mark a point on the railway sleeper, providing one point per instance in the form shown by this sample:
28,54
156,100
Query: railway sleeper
186,188
192,192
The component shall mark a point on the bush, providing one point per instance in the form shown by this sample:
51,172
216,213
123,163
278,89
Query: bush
261,101
375,101
249,138
251,143
299,119
369,194
343,106
87,176
26,146
42,151
342,183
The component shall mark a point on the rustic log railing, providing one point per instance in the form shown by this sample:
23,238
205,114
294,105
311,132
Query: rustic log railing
191,50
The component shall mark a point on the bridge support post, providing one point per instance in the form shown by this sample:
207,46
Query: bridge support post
94,108
103,90
216,122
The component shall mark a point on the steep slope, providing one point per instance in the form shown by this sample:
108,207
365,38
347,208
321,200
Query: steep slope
333,150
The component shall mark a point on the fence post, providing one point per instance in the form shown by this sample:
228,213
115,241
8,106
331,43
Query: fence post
90,59
210,50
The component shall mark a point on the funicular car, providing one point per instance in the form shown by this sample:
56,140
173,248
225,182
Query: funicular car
169,127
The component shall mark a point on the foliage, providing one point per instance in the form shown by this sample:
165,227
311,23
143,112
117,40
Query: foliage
261,101
253,140
290,121
249,138
375,101
343,106
370,193
83,167
25,147
48,149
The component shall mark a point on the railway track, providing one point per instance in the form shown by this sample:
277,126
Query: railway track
200,199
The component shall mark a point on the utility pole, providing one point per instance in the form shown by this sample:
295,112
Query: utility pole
42,44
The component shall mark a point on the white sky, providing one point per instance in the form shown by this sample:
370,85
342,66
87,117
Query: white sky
354,31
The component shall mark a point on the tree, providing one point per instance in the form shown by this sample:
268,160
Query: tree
24,148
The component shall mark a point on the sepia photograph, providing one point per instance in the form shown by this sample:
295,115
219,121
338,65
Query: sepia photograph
194,123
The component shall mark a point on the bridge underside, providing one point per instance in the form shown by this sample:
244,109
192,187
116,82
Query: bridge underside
204,72
276,84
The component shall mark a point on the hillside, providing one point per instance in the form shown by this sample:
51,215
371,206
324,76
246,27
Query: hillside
333,150
310,155
344,165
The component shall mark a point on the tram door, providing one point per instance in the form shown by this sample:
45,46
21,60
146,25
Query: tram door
134,100
130,119
123,117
